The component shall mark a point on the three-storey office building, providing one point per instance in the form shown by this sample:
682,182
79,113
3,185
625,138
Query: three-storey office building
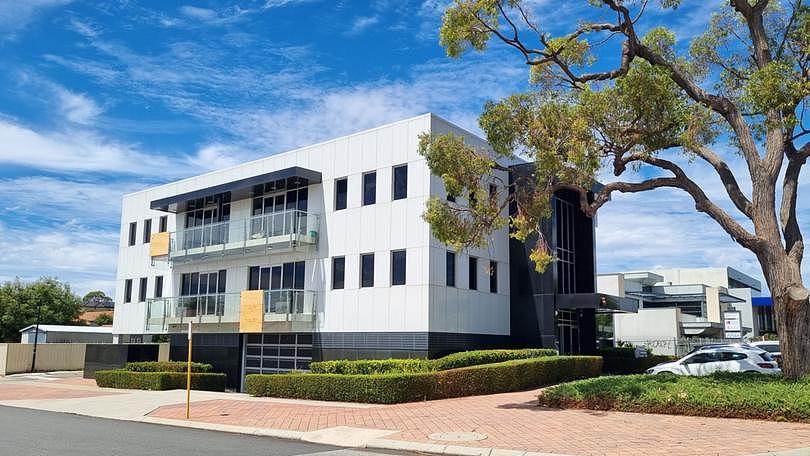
322,253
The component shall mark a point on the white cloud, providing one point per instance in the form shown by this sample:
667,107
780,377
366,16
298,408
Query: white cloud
203,14
362,23
76,107
16,14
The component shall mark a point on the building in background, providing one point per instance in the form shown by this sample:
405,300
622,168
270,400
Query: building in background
322,253
763,315
65,334
679,304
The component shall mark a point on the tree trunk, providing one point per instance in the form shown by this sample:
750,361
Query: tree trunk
792,311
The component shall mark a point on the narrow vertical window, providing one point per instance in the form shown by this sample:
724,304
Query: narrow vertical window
133,230
451,198
163,224
338,273
398,267
128,290
147,231
159,286
142,290
473,273
400,182
493,277
253,278
341,192
367,270
450,269
369,188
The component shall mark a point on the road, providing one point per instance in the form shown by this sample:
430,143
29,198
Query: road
25,432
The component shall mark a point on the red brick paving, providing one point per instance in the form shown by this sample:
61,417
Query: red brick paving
19,391
513,421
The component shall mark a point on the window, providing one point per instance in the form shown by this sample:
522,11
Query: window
473,273
341,190
493,277
159,286
451,198
367,270
338,273
147,231
128,290
398,267
369,188
163,224
731,356
133,229
400,182
701,358
450,269
142,290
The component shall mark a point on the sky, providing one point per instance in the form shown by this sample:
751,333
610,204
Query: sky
102,99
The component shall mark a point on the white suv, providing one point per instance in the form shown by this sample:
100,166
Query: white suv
716,359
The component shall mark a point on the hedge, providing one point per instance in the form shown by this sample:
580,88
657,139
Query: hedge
453,361
166,366
389,388
728,395
127,379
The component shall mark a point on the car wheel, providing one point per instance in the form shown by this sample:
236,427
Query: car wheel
666,373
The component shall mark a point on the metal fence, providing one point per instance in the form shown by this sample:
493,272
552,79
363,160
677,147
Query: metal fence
677,347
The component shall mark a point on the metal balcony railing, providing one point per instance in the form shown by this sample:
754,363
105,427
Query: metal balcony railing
278,306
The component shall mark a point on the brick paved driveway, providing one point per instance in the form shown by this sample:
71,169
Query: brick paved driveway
62,388
513,421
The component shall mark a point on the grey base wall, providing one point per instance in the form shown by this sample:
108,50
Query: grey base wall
383,345
115,356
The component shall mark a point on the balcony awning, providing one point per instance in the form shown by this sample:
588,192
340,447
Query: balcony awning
603,303
293,177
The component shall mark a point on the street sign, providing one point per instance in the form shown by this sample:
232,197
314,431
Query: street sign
732,324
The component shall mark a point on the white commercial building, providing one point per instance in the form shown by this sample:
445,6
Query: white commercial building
316,253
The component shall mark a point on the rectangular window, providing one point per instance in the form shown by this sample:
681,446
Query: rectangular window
163,224
338,273
253,278
147,231
142,290
341,192
450,269
398,267
369,188
133,230
400,182
159,286
128,290
473,273
367,270
493,277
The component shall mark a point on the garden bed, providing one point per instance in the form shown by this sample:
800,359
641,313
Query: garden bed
161,376
727,395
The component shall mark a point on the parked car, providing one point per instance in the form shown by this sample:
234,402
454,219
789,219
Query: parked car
770,346
729,358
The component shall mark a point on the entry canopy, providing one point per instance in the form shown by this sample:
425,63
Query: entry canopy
602,303
288,178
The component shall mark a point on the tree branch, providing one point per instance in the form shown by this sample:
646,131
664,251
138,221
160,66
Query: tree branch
727,177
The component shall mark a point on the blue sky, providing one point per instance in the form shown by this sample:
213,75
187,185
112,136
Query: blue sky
98,101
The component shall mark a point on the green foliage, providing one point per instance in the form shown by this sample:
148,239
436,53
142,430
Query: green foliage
167,366
159,381
392,388
19,303
95,295
103,319
728,395
452,361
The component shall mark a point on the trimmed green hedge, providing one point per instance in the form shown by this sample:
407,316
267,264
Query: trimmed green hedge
453,361
127,379
166,366
728,395
389,388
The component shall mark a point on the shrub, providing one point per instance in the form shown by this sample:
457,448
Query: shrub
453,361
166,366
729,395
127,379
391,388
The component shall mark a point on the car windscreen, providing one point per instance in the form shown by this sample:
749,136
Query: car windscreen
770,348
765,356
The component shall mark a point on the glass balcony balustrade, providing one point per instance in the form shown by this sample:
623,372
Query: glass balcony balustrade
166,314
285,230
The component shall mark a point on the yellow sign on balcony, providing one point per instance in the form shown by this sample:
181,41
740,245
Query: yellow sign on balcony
251,315
159,244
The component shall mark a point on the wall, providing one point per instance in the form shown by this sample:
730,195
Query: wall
612,284
649,325
50,357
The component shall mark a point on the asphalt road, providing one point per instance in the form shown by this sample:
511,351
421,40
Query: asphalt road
25,432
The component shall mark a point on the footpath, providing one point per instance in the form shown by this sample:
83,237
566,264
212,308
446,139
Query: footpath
508,424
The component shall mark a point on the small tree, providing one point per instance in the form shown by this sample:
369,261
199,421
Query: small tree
20,303
103,320
744,81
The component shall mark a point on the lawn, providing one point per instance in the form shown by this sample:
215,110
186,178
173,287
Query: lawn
728,395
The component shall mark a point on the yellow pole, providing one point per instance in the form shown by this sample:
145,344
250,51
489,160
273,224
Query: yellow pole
188,375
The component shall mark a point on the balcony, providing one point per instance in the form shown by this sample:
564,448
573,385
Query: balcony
279,231
268,310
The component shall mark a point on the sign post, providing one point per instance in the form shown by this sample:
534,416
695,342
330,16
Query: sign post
732,324
188,375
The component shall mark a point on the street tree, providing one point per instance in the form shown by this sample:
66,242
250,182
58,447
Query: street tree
20,303
649,105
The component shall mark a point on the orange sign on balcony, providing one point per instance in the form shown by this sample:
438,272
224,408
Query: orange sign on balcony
251,314
159,244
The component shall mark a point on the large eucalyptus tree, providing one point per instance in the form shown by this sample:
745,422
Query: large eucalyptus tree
655,101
